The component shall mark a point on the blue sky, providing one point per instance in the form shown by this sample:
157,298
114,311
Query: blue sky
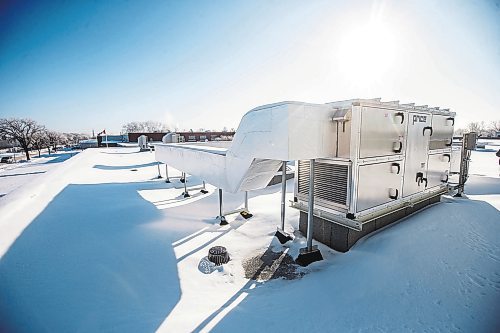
83,65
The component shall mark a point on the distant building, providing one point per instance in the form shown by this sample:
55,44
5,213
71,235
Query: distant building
90,143
111,140
186,136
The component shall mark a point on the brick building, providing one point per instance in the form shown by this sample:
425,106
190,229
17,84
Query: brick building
187,136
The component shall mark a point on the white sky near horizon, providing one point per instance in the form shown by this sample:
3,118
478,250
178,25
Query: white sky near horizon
194,65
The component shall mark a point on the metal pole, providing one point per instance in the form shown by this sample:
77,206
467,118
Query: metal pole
283,194
221,210
186,194
159,173
310,210
246,201
203,188
220,204
463,155
166,174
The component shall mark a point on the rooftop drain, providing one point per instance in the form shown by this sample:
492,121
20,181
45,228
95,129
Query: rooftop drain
218,255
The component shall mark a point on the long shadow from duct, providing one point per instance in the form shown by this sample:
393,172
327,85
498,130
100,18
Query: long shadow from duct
123,167
22,174
88,264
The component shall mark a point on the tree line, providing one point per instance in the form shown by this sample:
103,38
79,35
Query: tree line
149,126
31,135
481,128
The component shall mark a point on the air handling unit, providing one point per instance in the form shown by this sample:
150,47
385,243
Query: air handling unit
390,160
361,163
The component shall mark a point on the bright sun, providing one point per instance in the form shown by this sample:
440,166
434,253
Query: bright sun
366,53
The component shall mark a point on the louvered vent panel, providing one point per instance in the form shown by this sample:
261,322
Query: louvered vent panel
330,181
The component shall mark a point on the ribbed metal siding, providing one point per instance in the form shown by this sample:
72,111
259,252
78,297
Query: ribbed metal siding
330,181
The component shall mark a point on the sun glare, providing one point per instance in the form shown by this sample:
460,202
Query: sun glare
368,52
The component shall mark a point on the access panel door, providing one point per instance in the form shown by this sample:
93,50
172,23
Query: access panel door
382,132
438,169
442,135
379,183
417,147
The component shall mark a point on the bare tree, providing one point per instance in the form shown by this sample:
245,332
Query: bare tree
494,127
54,139
149,126
40,141
459,132
74,138
21,130
477,127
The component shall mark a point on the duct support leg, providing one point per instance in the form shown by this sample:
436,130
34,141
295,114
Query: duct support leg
245,213
283,195
203,189
282,236
246,201
167,180
310,253
186,194
221,216
159,173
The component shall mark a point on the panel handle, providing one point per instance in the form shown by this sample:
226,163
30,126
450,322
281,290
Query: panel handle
419,177
445,180
450,143
402,115
398,166
394,196
398,150
427,128
447,155
452,120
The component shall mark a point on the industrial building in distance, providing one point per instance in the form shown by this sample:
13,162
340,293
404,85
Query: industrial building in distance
115,140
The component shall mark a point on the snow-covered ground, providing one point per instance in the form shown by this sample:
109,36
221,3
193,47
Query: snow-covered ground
15,175
100,244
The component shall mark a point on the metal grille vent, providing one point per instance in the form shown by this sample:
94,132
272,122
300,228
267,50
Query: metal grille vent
330,181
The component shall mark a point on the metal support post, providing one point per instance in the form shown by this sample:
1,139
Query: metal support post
310,210
246,201
468,144
186,194
167,180
159,173
283,195
309,254
203,189
221,210
282,236
244,212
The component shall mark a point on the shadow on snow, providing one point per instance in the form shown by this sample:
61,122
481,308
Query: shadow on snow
482,185
58,158
123,167
89,263
359,274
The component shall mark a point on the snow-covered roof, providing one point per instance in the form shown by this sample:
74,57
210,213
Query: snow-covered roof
137,256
